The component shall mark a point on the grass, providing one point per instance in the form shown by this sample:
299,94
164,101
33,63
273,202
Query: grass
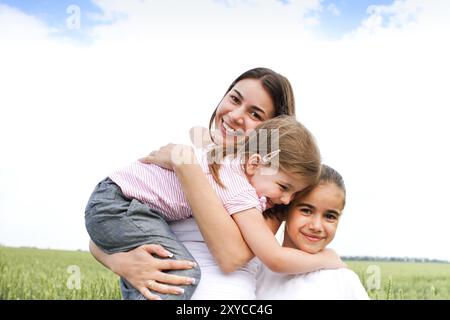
27,273
402,280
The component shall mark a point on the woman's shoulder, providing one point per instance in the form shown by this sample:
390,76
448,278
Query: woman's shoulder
342,275
323,284
341,272
343,283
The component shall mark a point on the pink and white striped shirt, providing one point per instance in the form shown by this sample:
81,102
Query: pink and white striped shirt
160,189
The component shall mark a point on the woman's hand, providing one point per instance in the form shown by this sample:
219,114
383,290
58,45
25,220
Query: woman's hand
139,268
170,156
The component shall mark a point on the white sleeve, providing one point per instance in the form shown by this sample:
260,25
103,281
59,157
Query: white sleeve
353,288
336,284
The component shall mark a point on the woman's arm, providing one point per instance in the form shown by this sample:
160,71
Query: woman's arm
219,230
138,266
221,234
277,258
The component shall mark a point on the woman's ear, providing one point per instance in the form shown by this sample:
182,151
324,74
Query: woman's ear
253,163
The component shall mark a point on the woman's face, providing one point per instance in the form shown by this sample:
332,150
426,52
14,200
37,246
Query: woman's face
313,219
245,106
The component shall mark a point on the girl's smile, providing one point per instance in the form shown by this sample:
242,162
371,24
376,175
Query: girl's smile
313,218
311,238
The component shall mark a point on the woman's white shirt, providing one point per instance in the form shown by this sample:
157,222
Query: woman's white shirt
256,281
336,284
214,284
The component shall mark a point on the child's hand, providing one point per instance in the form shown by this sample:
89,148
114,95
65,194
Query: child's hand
333,261
170,156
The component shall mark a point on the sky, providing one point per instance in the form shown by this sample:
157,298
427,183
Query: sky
89,86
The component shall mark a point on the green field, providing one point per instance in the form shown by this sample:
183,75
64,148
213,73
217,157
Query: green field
27,273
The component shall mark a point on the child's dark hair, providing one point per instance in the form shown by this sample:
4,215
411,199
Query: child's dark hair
329,175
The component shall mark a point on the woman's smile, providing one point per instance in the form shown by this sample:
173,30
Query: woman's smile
227,129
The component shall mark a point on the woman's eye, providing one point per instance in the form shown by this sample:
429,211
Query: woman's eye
234,99
256,115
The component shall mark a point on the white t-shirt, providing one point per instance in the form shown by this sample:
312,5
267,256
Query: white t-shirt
214,284
257,278
335,284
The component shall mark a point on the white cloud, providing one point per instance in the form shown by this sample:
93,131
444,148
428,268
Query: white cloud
376,100
26,27
333,9
381,91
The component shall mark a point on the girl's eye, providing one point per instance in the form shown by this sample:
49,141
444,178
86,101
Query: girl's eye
283,187
330,216
305,210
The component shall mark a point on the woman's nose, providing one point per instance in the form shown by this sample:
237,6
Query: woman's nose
237,116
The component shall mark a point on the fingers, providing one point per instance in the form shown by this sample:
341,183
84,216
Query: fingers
167,264
163,288
175,264
157,249
149,158
146,160
167,278
148,295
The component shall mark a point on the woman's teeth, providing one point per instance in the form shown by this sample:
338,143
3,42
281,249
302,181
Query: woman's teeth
229,130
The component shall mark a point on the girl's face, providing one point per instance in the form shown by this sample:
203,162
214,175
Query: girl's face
245,106
313,219
277,186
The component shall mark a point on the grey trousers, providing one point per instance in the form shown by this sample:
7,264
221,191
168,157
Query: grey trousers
116,223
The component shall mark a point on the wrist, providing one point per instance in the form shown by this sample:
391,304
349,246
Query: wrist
114,263
185,158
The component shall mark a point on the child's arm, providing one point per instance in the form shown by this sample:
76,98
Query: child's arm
262,242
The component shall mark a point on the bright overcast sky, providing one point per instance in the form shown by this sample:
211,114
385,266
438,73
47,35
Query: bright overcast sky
80,98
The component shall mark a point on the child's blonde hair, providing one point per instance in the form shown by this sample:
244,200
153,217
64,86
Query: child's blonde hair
296,150
327,175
